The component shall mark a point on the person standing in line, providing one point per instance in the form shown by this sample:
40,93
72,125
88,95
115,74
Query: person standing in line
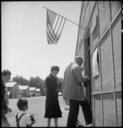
52,107
6,76
73,93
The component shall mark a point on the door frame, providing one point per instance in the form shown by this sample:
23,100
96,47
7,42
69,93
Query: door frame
87,59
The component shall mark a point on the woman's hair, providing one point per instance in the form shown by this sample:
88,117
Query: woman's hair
6,72
56,68
22,103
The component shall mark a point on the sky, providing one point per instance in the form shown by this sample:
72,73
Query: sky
25,51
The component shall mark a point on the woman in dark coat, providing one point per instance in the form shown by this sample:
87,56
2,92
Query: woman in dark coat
52,107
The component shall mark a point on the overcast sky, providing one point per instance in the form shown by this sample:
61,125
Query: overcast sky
25,51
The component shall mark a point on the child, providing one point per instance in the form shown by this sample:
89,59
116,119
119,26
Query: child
24,119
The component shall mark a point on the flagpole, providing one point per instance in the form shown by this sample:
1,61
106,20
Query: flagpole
65,18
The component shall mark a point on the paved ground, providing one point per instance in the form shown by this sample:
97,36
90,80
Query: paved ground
36,107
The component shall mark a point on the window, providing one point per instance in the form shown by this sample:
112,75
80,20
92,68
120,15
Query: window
95,64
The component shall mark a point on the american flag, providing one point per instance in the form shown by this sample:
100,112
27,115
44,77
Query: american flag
55,24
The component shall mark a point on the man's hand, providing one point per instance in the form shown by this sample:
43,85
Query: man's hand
86,77
66,101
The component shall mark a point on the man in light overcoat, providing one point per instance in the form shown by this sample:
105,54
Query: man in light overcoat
73,93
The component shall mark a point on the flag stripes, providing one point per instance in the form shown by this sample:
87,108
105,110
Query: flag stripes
55,24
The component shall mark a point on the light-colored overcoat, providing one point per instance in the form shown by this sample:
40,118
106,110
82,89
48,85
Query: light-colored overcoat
73,80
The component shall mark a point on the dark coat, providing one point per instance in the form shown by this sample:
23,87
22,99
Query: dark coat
4,101
52,107
4,104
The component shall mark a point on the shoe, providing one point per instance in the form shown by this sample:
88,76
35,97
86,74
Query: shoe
89,125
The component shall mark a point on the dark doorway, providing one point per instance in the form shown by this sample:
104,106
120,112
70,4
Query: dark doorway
87,68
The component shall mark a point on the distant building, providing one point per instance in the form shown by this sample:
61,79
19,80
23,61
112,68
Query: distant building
38,92
32,91
99,43
24,90
12,89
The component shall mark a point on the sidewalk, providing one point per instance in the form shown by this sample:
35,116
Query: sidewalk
37,108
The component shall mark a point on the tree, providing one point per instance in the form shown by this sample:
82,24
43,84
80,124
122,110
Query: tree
33,82
38,83
20,80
